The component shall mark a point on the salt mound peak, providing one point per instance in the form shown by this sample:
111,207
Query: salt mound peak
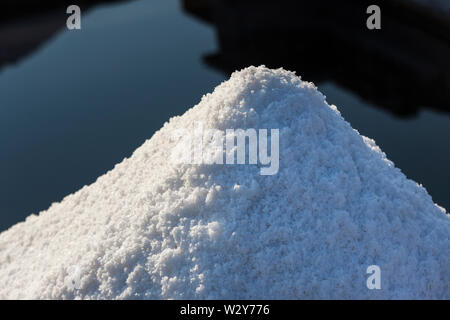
151,228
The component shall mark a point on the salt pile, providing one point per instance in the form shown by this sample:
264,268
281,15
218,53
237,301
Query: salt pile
150,228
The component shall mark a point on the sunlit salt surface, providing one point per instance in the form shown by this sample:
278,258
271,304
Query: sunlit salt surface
152,228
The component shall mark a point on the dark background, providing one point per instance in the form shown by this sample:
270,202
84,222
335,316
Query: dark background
75,103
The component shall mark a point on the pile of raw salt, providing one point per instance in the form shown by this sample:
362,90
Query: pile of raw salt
150,228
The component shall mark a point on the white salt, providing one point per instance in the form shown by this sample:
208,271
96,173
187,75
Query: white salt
153,229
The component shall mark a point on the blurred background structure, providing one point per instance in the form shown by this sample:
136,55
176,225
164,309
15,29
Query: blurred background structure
402,68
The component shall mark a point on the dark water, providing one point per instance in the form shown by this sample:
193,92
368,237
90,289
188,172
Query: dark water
86,99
